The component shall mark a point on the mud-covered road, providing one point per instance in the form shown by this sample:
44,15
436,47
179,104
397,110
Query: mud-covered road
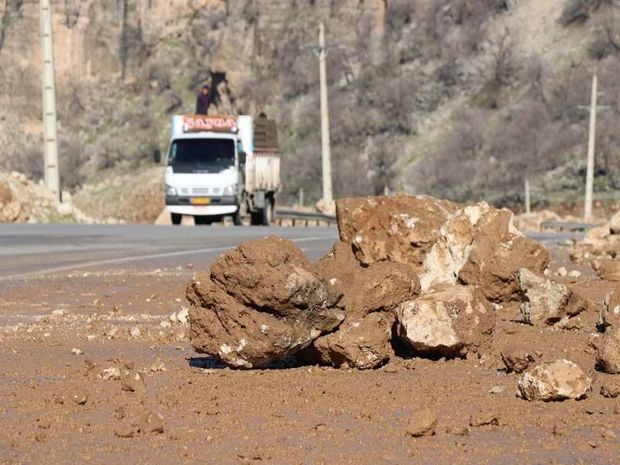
95,367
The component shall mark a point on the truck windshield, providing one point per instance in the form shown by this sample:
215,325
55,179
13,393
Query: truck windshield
201,155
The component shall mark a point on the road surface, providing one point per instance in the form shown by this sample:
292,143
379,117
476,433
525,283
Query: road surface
36,249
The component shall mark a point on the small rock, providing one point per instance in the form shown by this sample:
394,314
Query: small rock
75,351
496,390
165,324
611,388
555,381
135,332
91,337
608,354
111,374
608,434
183,316
59,312
80,397
422,423
562,272
133,382
574,274
124,431
516,360
484,419
151,422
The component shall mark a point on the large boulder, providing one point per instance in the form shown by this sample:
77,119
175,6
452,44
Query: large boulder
560,380
608,351
370,294
260,303
448,322
480,246
399,229
362,344
377,287
545,301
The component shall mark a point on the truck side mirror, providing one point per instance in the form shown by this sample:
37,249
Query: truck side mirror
242,158
157,156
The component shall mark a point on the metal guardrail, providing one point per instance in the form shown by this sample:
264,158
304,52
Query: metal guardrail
303,217
567,225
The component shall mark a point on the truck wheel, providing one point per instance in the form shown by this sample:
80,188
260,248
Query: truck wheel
256,218
176,218
237,218
202,220
267,213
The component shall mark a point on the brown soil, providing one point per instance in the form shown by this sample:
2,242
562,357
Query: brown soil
56,406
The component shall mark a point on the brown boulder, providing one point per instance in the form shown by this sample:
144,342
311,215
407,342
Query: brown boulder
611,388
361,344
449,321
516,360
610,311
399,229
608,351
260,303
480,246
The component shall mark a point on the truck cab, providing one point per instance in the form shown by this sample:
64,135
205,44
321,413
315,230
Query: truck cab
211,170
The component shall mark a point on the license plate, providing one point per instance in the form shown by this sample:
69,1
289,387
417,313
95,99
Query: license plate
201,201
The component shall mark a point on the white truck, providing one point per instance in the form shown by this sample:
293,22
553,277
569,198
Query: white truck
219,166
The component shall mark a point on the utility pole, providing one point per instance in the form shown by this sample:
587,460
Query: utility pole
587,211
528,209
328,196
50,132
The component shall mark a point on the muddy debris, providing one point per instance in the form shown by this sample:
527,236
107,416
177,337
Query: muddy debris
259,304
556,381
362,344
399,229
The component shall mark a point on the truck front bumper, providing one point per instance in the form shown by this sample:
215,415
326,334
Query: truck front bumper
218,206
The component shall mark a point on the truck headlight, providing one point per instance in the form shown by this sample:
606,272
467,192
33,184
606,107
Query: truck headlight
230,190
171,191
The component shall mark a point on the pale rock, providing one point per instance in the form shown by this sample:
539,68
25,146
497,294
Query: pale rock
111,374
479,246
547,302
449,321
556,381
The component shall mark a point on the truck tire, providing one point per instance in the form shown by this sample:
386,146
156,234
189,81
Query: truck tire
256,218
267,213
202,220
237,218
176,218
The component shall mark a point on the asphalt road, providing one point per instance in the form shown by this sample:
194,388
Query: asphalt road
37,249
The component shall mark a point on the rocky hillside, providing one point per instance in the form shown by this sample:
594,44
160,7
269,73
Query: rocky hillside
461,99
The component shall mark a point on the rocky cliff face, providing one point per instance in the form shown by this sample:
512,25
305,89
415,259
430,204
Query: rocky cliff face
407,79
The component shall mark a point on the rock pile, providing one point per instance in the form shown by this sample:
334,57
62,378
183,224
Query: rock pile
410,275
22,200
